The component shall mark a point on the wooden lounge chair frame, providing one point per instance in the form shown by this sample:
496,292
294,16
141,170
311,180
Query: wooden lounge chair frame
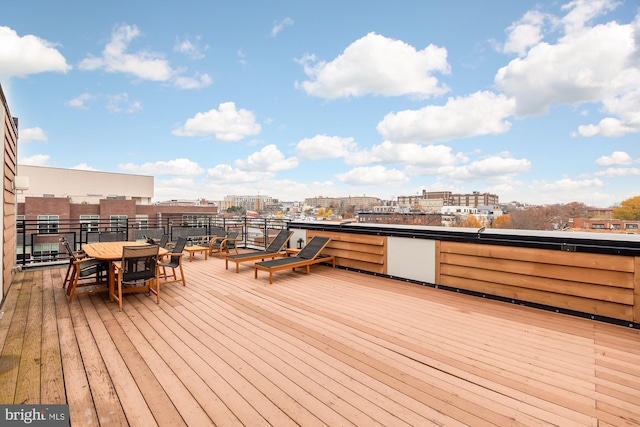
307,256
274,250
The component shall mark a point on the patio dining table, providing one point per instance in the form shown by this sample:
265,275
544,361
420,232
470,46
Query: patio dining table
110,252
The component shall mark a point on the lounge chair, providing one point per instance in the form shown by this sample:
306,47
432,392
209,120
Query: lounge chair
307,256
274,250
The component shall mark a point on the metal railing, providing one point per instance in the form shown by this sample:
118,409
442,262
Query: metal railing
38,241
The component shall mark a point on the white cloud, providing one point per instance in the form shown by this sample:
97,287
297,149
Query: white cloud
190,47
22,56
269,159
587,64
36,160
481,113
373,175
84,167
431,156
32,134
226,123
177,167
378,65
618,172
525,33
325,147
501,167
279,26
229,174
626,107
80,101
567,184
615,159
142,64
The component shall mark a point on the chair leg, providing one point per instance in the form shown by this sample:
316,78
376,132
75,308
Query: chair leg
184,282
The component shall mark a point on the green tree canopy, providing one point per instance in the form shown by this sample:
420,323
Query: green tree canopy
629,209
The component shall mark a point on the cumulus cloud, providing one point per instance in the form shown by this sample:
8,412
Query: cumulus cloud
36,160
481,113
499,167
268,159
142,64
177,167
586,64
21,56
565,185
375,64
324,147
431,156
32,134
227,123
617,158
618,172
627,110
525,33
373,175
84,167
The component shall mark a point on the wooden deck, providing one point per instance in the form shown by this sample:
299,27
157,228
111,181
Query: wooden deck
332,348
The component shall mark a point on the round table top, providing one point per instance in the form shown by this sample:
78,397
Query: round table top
111,251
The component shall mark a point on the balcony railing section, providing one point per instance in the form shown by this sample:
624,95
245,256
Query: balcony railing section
38,242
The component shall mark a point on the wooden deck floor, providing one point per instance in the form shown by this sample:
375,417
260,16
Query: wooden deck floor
333,348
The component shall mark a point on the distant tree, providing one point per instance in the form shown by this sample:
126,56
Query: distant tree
239,210
503,221
469,221
628,210
570,211
535,218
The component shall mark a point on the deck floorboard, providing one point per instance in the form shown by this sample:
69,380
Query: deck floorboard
334,347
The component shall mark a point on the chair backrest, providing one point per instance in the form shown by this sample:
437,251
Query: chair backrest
164,240
232,235
139,262
279,241
218,231
72,255
180,244
313,248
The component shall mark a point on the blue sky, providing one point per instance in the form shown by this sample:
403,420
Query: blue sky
536,101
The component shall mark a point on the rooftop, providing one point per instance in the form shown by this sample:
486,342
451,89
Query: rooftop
334,347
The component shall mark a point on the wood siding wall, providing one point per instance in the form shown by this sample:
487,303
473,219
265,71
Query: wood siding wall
356,251
598,284
8,195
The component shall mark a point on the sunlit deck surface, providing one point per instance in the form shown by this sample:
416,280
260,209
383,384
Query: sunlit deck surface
331,348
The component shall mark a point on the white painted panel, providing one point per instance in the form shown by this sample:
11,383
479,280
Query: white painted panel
413,259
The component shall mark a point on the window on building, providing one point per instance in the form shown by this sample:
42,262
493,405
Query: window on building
142,222
631,226
20,223
90,222
48,224
118,222
45,252
597,226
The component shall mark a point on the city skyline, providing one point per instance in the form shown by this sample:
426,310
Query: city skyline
534,101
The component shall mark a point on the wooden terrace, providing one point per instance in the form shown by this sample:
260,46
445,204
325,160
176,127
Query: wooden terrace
332,348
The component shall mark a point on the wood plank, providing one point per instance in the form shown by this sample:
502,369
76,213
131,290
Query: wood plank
51,384
349,237
556,286
550,271
543,256
28,388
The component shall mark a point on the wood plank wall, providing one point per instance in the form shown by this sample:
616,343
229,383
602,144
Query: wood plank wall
356,251
597,284
9,201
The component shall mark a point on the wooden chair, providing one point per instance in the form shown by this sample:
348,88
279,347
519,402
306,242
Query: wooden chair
224,244
138,270
174,262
